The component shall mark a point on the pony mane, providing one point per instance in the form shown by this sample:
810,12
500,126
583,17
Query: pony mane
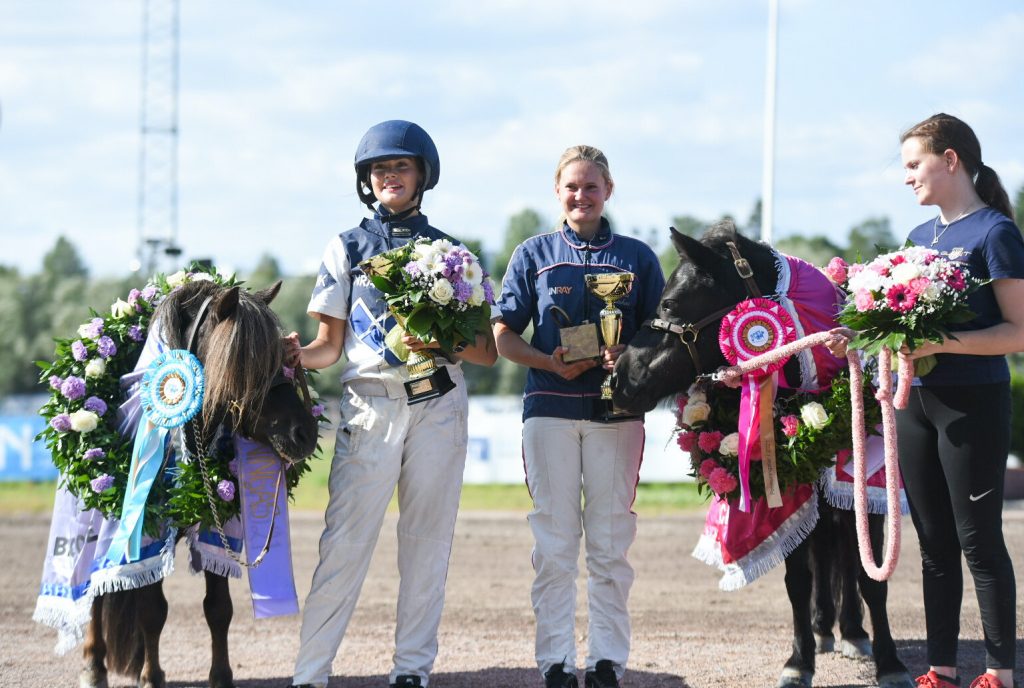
241,354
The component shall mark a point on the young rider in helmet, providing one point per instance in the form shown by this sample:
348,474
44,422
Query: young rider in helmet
382,441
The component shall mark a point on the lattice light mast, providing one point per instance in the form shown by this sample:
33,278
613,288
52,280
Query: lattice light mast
157,212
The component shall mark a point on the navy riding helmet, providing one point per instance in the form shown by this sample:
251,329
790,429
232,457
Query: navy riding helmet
392,139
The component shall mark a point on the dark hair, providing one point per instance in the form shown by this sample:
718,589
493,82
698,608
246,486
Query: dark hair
941,132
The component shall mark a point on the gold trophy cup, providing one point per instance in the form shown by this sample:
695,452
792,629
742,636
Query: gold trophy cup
610,287
426,380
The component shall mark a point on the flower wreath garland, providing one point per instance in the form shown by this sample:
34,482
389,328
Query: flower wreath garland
81,413
810,430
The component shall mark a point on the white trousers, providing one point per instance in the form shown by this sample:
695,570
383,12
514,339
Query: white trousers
384,442
564,458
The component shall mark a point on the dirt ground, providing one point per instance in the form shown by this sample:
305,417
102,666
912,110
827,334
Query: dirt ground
686,633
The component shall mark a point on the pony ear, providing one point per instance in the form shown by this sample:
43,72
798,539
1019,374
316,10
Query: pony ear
267,295
691,249
227,304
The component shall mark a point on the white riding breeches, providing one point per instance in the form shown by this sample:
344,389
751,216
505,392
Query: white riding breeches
383,443
564,459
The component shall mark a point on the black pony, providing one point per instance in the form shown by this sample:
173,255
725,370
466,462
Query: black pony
239,343
665,358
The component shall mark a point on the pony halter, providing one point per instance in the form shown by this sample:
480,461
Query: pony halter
688,332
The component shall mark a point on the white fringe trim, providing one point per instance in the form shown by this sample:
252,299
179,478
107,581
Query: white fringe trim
839,494
70,618
767,555
203,556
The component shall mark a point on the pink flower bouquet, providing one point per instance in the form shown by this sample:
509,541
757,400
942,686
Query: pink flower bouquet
906,298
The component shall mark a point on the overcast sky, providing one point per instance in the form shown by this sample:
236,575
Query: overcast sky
274,97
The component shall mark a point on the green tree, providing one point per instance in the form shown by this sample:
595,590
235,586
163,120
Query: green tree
1018,208
867,239
267,272
817,250
684,224
521,226
63,261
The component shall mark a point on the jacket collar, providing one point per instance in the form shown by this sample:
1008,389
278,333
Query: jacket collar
601,239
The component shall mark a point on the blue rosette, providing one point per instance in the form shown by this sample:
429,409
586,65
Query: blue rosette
171,394
172,388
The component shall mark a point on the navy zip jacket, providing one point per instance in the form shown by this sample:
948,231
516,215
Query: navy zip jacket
548,270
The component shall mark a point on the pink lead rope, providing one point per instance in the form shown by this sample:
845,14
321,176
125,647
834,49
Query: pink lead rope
888,403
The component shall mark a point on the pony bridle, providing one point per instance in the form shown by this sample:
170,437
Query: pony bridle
688,332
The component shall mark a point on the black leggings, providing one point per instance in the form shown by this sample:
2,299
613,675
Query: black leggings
953,445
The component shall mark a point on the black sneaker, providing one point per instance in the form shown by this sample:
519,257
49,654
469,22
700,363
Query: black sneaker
603,676
557,677
406,681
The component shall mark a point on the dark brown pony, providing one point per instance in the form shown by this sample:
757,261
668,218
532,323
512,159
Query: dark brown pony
659,363
239,343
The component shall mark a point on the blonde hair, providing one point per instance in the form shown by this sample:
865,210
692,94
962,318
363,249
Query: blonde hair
583,154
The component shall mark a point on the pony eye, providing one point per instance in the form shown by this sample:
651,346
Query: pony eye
668,304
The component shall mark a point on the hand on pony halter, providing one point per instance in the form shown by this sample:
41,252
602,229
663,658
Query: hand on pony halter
730,376
292,349
839,340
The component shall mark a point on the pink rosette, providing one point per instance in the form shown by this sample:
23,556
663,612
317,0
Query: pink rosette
756,326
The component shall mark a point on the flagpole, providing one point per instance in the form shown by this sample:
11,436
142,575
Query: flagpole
768,152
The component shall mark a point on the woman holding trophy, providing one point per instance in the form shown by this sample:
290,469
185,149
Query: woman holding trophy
574,441
387,437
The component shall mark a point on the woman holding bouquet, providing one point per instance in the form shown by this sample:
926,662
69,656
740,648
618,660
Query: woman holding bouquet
565,451
382,441
954,433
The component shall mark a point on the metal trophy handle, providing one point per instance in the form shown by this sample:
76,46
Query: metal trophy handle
610,287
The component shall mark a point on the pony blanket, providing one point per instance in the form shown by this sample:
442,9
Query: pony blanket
75,569
746,545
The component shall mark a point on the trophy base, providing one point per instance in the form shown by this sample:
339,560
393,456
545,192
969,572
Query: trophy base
432,386
605,412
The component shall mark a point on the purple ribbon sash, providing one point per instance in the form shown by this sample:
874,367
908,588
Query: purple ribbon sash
263,488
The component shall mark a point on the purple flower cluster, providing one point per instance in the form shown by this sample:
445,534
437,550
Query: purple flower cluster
94,454
148,292
96,405
94,329
73,388
317,410
61,422
135,333
106,347
102,483
55,382
463,291
78,350
226,490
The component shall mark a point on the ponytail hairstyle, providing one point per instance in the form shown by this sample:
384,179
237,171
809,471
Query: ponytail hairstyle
583,153
942,132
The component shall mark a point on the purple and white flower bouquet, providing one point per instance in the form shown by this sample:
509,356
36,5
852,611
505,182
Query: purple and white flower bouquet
437,290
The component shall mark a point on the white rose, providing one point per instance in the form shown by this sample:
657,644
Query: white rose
202,277
904,272
696,412
931,293
96,367
121,308
177,279
84,421
730,445
441,292
84,330
814,415
477,297
695,394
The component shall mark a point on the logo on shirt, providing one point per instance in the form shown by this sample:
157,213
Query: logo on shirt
324,279
553,291
958,253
